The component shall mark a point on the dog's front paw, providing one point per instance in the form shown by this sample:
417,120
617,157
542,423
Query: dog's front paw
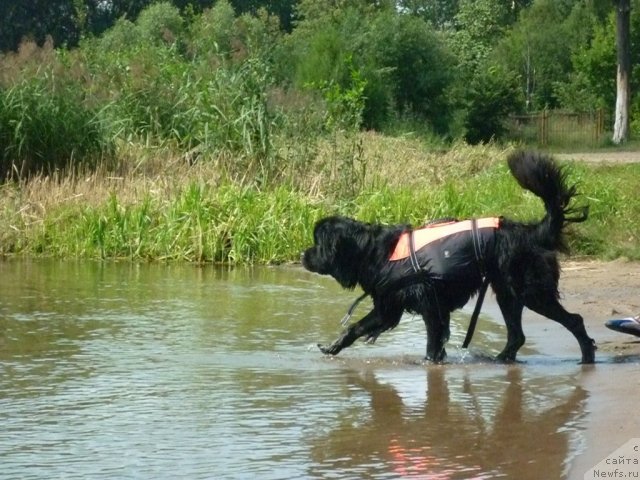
330,350
438,357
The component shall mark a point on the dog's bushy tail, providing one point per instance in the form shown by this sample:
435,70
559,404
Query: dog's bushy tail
542,176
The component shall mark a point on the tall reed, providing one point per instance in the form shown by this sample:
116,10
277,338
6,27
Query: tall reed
196,218
45,124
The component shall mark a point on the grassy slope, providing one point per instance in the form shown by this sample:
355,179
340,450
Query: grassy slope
165,209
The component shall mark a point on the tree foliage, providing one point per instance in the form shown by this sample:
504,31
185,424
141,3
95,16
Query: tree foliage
454,67
37,19
405,66
416,67
67,21
479,25
493,94
539,48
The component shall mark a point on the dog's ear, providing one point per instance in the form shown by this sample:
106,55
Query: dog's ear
346,261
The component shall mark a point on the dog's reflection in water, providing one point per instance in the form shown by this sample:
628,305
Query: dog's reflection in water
499,426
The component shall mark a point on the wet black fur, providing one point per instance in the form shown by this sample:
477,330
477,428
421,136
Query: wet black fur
523,271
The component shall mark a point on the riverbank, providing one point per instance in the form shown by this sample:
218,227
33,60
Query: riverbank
604,290
599,291
164,208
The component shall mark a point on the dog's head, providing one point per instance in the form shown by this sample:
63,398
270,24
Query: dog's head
337,249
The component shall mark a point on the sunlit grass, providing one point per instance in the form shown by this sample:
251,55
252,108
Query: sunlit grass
174,211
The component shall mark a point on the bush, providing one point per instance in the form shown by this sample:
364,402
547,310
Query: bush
212,32
414,66
160,23
404,66
122,36
46,126
492,95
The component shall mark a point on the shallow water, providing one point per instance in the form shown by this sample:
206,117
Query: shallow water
154,371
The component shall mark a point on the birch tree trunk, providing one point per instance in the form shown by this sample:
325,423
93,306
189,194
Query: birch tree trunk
621,120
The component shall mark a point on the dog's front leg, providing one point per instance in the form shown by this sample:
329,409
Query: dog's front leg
370,324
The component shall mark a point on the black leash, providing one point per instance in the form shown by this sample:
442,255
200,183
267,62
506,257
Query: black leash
353,306
476,313
475,238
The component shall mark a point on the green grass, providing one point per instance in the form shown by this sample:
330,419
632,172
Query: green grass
157,206
231,223
46,125
613,228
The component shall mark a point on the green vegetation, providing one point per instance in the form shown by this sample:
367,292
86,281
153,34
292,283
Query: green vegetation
211,82
171,130
185,214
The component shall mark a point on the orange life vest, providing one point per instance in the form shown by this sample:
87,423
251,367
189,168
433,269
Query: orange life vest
449,250
431,233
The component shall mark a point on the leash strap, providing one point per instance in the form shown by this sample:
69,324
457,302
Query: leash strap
412,253
353,306
476,313
477,250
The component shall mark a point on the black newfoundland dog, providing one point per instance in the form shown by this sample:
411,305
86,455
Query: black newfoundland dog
436,269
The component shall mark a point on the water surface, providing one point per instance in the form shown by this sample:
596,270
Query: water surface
164,371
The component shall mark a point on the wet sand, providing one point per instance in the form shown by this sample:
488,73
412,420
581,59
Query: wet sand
599,291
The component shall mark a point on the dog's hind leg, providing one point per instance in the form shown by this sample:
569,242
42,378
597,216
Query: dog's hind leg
551,308
437,324
371,325
511,309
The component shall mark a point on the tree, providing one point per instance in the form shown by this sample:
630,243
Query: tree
440,13
65,21
480,24
623,47
102,15
283,9
415,66
493,93
592,82
539,48
36,20
404,64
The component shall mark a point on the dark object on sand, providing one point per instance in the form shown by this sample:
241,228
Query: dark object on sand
630,325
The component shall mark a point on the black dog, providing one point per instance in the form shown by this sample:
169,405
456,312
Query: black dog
435,270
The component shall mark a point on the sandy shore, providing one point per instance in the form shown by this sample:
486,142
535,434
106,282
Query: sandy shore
601,291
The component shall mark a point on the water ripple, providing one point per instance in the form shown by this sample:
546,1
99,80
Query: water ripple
156,373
